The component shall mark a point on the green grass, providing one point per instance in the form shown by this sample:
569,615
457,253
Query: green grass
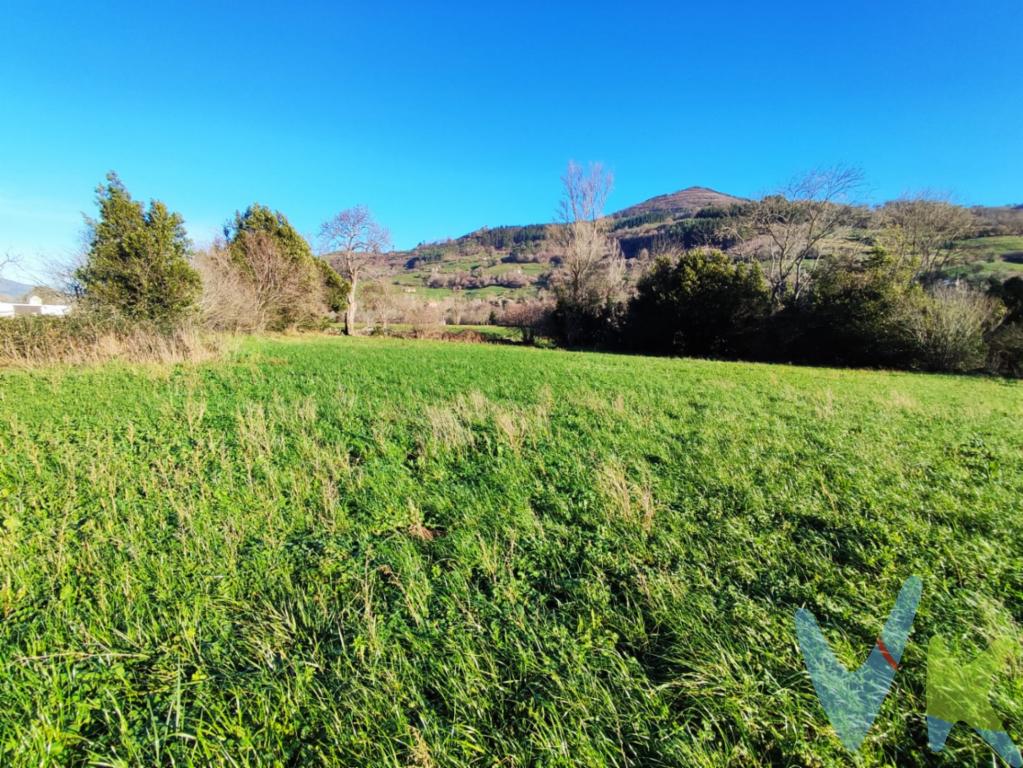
454,263
386,553
489,332
994,245
984,262
981,271
528,268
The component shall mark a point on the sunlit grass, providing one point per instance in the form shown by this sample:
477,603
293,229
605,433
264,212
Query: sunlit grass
379,552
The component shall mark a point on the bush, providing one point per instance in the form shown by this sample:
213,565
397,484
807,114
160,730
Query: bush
229,300
532,316
697,303
1005,342
1005,350
1010,293
947,329
334,287
854,314
266,277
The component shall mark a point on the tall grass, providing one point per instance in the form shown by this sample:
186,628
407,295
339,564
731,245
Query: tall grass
387,553
83,337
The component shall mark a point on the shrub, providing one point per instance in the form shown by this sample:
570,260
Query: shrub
229,300
947,328
1010,293
854,314
697,303
1005,342
1005,350
137,263
532,317
334,287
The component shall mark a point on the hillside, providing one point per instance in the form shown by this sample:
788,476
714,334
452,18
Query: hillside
510,262
11,289
366,552
483,268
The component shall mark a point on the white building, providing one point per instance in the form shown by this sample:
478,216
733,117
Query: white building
32,306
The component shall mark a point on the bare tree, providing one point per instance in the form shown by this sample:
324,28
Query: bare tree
592,268
255,286
790,227
924,232
531,316
351,240
584,192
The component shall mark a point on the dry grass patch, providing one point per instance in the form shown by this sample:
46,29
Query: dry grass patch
451,424
447,428
28,342
901,400
631,500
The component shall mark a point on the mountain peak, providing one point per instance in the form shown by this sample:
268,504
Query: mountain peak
688,200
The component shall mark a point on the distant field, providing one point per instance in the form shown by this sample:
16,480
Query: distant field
999,270
489,332
997,246
491,291
454,263
986,259
330,551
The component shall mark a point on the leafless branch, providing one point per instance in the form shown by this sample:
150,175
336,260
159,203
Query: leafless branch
924,231
791,226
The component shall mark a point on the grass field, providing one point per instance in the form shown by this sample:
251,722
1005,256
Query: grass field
985,259
419,276
996,246
387,553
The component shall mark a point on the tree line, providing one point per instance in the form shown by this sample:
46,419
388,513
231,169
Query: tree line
261,275
143,290
794,287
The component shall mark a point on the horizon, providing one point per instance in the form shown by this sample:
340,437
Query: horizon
472,125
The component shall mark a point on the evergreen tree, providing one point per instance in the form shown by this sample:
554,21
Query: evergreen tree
137,264
292,286
258,219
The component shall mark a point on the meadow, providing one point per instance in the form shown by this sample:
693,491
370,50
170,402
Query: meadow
327,551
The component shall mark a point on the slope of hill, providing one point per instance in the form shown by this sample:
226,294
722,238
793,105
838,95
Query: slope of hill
685,201
12,289
493,264
496,263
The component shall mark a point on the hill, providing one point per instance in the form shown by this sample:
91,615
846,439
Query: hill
368,552
12,289
685,201
509,262
491,265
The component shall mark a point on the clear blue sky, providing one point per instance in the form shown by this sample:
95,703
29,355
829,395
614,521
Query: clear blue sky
446,118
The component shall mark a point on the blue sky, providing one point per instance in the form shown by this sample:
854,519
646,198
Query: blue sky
446,117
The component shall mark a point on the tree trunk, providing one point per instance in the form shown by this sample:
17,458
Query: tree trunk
350,310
